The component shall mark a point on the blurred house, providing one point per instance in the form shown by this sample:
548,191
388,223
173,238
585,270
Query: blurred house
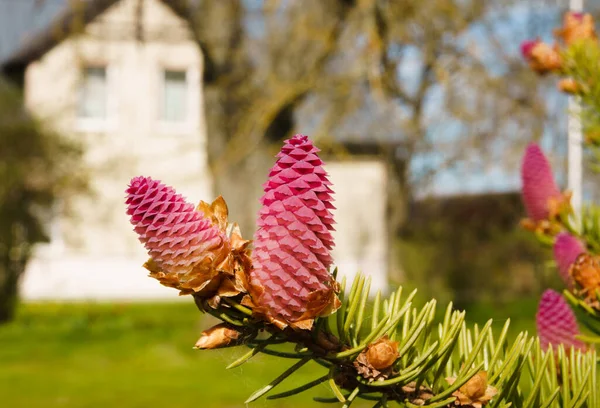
123,77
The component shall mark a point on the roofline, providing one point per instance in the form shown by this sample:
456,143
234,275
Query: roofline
69,22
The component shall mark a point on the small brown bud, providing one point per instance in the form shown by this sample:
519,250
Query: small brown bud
475,393
218,336
476,386
382,353
375,362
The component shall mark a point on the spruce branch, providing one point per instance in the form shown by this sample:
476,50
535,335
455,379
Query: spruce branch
436,360
283,295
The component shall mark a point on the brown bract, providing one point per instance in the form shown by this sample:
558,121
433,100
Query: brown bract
219,336
376,361
417,396
557,208
544,58
585,272
222,271
576,27
475,393
320,303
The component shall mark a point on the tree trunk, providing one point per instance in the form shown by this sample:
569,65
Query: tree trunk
9,289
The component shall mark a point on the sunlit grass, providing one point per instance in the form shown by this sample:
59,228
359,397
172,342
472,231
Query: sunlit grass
139,355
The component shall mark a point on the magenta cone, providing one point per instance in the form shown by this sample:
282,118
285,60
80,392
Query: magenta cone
566,250
538,183
176,236
292,246
556,322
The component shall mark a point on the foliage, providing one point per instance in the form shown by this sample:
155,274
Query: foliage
430,354
450,240
69,354
576,57
36,167
582,64
390,352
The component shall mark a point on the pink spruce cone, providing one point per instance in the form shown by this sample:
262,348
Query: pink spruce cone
566,250
182,243
290,282
556,322
539,186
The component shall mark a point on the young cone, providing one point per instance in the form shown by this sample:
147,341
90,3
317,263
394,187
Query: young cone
566,250
290,283
556,322
189,249
542,199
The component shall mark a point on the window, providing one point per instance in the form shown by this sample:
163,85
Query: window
174,97
93,93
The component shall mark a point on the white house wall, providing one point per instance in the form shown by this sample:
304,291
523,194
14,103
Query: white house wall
361,239
94,252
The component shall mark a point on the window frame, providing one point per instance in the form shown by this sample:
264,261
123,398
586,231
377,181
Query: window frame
97,124
191,122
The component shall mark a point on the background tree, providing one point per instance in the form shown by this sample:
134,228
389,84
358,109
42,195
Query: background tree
430,84
36,168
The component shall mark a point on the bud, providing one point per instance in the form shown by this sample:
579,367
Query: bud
542,58
576,27
566,250
569,85
556,322
375,362
382,353
585,272
218,336
290,283
475,393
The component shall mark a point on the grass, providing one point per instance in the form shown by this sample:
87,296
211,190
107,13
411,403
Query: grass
140,355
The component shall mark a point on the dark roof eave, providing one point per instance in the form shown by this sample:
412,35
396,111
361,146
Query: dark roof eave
66,24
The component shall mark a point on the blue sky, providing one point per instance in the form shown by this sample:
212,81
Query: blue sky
463,179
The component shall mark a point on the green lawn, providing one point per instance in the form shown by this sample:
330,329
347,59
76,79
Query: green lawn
140,355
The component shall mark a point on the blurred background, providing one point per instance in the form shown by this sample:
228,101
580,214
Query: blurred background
421,108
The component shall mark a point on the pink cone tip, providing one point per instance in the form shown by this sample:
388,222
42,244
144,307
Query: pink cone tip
556,322
538,183
174,233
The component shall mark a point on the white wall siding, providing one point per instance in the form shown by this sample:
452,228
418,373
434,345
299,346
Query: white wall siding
360,236
94,252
